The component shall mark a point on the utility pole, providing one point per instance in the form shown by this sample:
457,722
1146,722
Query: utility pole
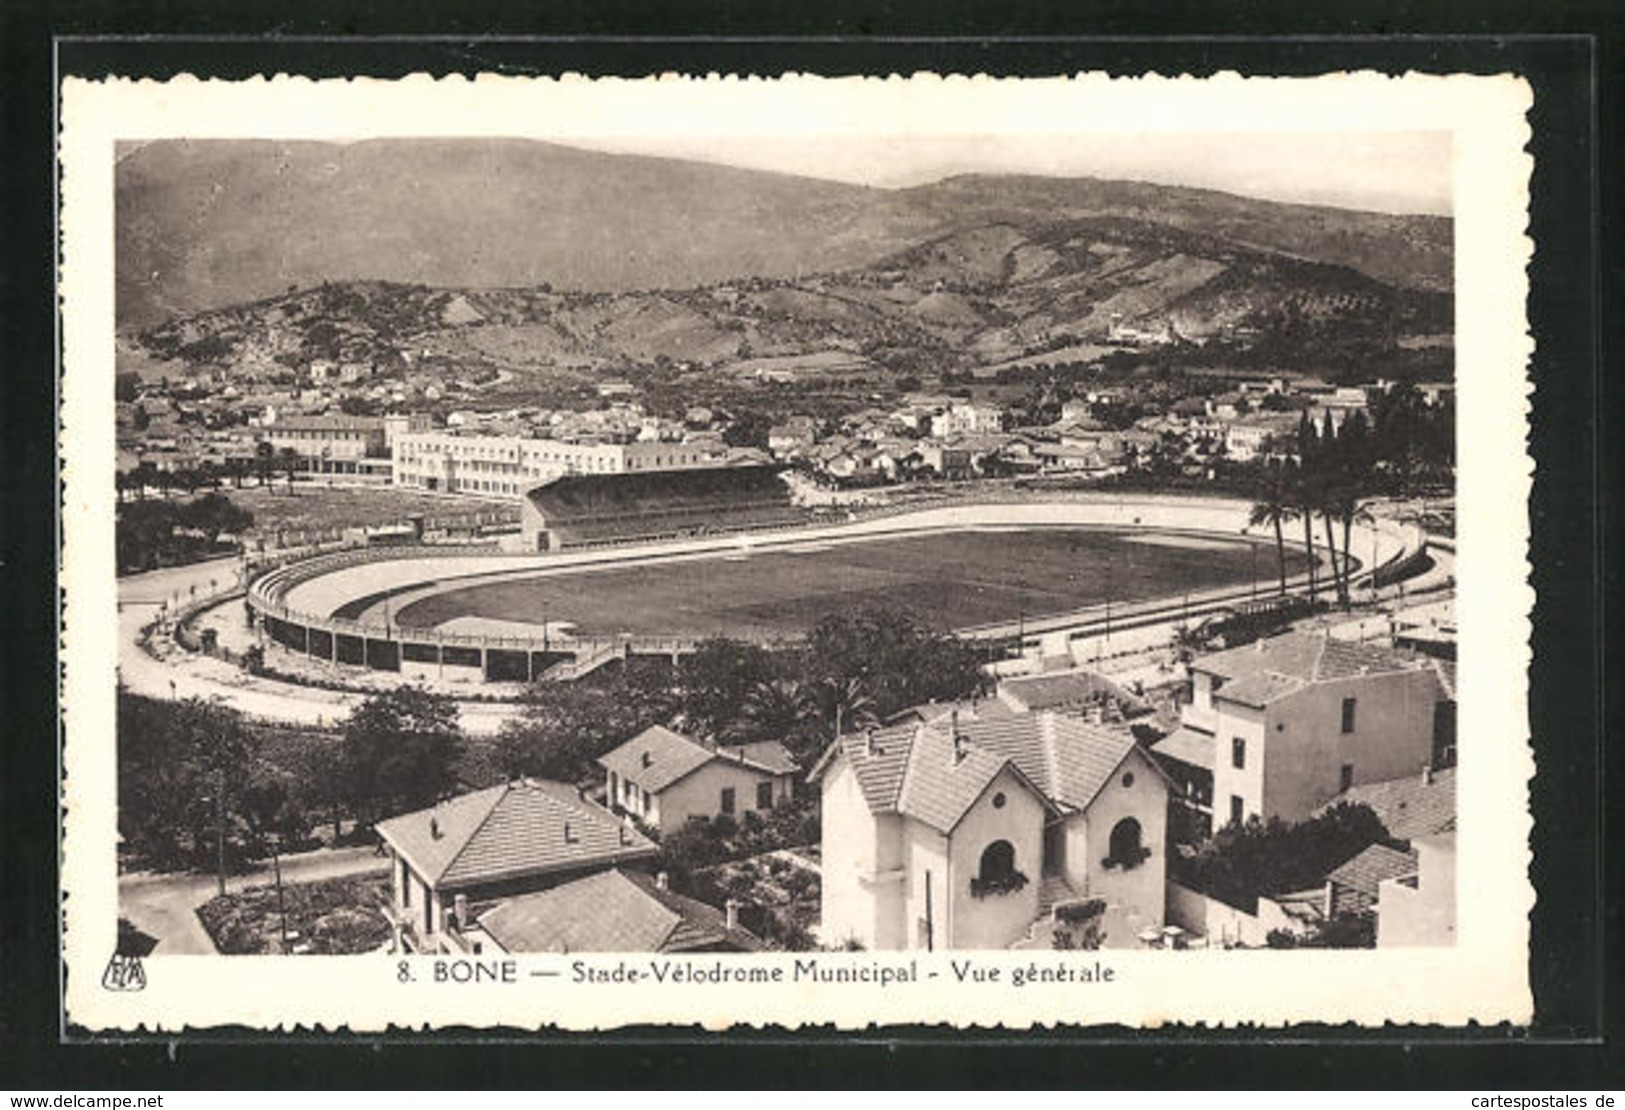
220,830
281,905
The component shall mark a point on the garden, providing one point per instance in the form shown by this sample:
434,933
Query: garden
334,917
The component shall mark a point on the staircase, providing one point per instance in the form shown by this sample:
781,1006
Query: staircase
586,661
1053,890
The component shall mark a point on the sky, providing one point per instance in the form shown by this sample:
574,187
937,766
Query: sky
1383,171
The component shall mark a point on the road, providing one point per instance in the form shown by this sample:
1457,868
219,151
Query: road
165,905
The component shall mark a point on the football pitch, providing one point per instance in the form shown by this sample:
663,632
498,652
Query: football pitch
948,580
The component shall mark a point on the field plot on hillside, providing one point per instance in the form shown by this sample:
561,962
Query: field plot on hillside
949,580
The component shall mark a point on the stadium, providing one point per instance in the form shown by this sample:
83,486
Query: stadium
610,566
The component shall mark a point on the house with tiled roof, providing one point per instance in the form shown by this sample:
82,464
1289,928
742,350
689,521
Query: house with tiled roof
966,831
1411,807
516,838
1353,884
666,779
1279,727
617,910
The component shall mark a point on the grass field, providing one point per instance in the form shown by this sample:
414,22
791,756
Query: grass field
950,580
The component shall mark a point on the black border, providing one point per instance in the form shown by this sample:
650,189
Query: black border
1566,1047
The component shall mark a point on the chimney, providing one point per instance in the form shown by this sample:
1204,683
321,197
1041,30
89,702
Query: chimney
647,759
459,909
662,880
731,909
869,741
434,828
959,741
569,834
626,837
581,792
1427,774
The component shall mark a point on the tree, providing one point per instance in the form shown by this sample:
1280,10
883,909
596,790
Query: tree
289,459
748,429
779,709
566,726
1274,507
1305,493
841,705
216,515
897,661
264,462
715,679
1241,862
184,768
400,752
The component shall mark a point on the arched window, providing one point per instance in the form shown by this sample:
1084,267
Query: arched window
998,862
997,873
1125,848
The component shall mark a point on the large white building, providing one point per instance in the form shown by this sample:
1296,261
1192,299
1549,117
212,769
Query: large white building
507,466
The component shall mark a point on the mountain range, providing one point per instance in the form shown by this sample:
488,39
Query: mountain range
524,259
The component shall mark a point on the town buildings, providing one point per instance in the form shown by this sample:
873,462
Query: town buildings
508,466
517,838
618,910
666,779
1281,726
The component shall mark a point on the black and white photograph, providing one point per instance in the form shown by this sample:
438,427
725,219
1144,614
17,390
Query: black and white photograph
860,560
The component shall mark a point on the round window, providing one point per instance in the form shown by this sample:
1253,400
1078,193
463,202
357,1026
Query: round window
998,800
1128,779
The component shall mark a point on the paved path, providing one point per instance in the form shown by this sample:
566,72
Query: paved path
165,905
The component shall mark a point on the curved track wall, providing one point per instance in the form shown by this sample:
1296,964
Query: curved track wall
295,605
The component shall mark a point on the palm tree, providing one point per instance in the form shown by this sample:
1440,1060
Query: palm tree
1346,505
774,710
1304,496
1274,507
841,705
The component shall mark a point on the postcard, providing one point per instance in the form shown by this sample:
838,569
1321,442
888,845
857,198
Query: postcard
566,553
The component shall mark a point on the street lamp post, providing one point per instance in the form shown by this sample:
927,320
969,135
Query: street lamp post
281,904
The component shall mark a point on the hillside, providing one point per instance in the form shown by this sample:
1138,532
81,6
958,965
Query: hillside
983,297
209,224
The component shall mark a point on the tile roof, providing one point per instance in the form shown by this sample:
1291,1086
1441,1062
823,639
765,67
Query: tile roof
612,911
672,756
657,757
1188,746
1265,670
911,769
1354,884
522,828
767,755
1408,807
938,785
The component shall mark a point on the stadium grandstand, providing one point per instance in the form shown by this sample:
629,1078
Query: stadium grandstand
585,510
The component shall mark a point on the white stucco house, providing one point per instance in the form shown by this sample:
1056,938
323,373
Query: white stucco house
965,831
666,779
1279,727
